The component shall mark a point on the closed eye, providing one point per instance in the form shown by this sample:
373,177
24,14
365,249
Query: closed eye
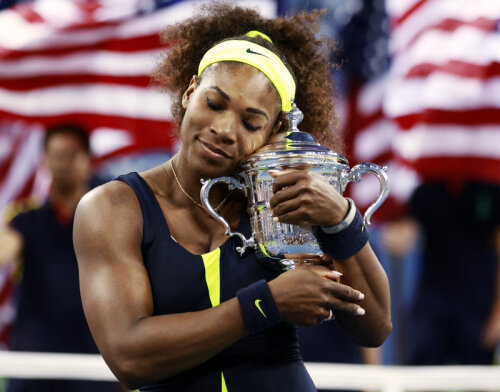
250,126
213,106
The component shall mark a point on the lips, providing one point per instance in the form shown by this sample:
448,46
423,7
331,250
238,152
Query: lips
214,151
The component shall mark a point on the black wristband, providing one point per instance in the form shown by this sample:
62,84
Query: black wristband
258,307
345,243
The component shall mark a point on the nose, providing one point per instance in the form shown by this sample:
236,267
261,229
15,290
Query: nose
225,126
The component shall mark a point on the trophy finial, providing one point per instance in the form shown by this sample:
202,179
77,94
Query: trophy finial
295,116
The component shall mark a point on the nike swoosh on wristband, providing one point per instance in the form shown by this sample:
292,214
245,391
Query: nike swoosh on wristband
257,304
252,52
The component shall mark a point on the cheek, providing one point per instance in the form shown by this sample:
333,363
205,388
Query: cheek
252,144
190,122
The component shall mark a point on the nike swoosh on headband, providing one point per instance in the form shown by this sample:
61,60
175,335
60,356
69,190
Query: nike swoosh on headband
257,303
252,52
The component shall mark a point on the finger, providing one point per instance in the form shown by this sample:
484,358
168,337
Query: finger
285,179
282,194
325,272
346,293
275,173
297,217
285,201
346,307
326,315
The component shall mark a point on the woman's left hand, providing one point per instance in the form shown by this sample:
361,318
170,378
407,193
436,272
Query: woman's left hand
305,198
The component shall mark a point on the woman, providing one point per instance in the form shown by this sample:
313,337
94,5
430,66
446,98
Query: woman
169,301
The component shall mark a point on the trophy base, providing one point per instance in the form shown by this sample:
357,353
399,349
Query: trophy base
285,262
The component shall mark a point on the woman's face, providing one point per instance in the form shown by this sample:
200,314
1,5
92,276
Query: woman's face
230,114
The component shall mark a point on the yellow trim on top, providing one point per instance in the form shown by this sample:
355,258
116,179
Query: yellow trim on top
211,261
223,381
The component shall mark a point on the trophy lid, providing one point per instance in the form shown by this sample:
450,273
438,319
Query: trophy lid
294,144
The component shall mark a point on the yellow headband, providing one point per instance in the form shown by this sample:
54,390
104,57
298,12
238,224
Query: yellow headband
255,33
259,57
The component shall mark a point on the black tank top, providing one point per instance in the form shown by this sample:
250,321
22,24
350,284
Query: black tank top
184,282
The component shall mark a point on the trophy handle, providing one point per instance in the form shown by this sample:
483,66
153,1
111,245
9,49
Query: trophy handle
204,196
368,167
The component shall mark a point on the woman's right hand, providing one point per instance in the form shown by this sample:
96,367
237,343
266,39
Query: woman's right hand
305,295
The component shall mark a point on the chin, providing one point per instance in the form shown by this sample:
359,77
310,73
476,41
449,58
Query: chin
216,172
212,169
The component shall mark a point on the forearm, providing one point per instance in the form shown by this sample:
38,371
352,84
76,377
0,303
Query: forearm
155,348
364,273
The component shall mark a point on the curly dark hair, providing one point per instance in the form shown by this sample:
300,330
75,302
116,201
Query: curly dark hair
294,41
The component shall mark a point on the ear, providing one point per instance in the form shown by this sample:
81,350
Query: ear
277,127
187,94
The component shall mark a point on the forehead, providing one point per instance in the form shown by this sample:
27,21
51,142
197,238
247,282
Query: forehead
242,80
64,141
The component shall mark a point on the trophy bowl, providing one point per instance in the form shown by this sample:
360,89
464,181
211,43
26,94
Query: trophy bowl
283,245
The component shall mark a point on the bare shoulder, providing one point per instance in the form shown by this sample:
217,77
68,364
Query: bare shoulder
108,216
110,200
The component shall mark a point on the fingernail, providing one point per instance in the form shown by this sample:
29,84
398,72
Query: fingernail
275,219
360,311
361,296
335,274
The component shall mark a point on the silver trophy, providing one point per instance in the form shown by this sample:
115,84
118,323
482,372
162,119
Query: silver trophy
279,244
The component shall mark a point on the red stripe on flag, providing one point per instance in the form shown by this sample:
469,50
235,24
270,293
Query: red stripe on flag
5,292
126,45
147,134
27,12
7,163
460,168
93,120
27,189
472,117
30,83
361,121
456,67
401,19
449,25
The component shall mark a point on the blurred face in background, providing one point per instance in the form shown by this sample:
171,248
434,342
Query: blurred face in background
68,161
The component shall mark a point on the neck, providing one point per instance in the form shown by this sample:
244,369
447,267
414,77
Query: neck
67,197
188,185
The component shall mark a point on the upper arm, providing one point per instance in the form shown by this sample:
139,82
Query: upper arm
114,283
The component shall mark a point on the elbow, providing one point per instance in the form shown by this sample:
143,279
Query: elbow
130,370
379,334
138,371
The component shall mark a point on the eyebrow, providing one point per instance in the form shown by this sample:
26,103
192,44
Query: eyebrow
221,92
257,111
251,110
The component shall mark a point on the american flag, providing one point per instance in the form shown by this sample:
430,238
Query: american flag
85,62
436,113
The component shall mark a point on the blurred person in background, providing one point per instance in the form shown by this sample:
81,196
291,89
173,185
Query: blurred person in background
456,315
38,240
442,116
